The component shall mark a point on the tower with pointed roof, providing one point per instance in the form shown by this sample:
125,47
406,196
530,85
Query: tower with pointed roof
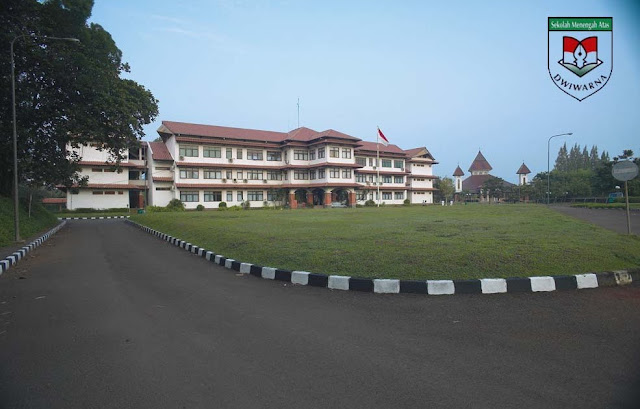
480,166
458,173
522,174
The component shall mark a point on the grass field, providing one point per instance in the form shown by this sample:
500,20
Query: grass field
606,205
430,242
39,221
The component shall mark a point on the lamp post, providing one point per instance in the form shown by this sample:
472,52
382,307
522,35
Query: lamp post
16,212
548,169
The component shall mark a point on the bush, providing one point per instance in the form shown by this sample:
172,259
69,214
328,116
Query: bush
222,206
200,208
632,199
369,203
406,202
175,205
156,209
246,205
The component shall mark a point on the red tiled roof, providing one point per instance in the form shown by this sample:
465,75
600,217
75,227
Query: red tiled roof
160,151
54,200
335,134
371,147
213,131
524,170
302,134
474,182
458,172
480,163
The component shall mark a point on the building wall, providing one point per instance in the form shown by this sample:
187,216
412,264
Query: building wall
85,198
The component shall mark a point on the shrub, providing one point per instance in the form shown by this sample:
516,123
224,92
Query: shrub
175,205
200,208
632,199
222,206
369,203
156,209
246,205
406,202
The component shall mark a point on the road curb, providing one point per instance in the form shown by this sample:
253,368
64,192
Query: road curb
93,218
430,287
12,260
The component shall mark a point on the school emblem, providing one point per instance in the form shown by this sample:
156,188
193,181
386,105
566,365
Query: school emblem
580,56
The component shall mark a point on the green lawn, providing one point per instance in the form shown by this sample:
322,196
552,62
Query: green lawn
430,242
40,221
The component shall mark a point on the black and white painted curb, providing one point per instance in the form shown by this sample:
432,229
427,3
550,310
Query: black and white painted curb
431,287
93,218
13,259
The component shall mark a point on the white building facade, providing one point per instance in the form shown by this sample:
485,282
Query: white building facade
207,165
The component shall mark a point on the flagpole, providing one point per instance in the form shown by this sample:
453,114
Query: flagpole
378,165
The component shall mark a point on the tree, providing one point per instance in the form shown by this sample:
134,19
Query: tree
445,187
494,186
66,93
562,161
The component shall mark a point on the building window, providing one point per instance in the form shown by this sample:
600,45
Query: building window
212,174
212,152
158,188
386,195
312,174
334,173
229,154
109,192
300,155
229,174
239,153
321,174
346,173
213,196
255,195
274,175
253,154
386,163
360,178
398,164
301,174
346,153
361,195
398,195
239,197
370,161
98,192
361,161
320,153
134,175
398,179
386,179
274,155
254,175
96,170
239,174
334,152
312,154
189,151
189,196
229,196
272,195
163,168
189,174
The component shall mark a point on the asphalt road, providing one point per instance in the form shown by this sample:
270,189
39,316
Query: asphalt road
612,219
106,316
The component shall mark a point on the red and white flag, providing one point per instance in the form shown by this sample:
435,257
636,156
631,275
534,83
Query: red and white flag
382,139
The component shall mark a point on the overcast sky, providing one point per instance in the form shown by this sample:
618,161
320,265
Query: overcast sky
452,76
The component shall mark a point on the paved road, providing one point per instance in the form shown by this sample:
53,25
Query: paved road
612,219
110,317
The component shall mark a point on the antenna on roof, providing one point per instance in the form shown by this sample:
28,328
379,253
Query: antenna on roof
298,112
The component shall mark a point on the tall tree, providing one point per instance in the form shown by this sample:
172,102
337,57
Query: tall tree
66,93
562,161
594,161
445,188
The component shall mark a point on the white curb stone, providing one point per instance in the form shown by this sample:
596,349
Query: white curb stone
493,285
440,287
587,281
208,255
300,277
539,284
245,268
269,273
218,258
386,286
338,282
227,263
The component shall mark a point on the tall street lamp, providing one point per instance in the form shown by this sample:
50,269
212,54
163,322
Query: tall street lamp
548,170
16,219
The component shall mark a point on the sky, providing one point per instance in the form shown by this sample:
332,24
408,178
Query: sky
454,77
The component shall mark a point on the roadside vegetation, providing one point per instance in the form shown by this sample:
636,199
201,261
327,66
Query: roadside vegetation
40,221
606,205
417,242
